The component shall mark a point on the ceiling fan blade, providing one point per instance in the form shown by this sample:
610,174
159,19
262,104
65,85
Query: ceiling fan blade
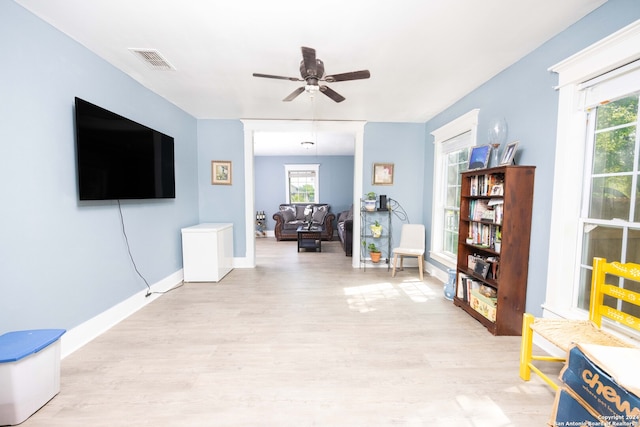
271,76
293,94
309,61
353,75
332,93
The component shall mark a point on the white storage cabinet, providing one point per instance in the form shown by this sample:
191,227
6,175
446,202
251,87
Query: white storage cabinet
207,252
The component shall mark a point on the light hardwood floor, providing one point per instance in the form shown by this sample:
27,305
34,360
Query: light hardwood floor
301,340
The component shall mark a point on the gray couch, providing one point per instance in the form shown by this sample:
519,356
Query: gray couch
290,216
345,230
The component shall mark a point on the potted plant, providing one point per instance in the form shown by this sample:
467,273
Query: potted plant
370,201
374,252
376,229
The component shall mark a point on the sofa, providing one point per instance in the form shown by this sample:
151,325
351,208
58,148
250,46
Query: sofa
290,216
345,230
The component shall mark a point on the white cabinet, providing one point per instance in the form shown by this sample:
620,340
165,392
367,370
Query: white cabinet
207,252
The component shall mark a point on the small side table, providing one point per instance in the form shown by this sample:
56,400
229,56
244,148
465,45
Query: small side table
309,238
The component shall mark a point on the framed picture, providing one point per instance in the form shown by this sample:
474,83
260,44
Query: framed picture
481,268
220,172
497,190
383,174
479,157
509,153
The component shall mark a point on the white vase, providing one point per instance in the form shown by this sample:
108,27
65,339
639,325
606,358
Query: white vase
370,205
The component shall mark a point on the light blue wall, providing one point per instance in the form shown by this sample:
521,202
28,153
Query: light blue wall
223,140
524,95
336,182
63,262
402,144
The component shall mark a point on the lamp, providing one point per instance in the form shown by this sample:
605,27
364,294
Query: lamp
307,144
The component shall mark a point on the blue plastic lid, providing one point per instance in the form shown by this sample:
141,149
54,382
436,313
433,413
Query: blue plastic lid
17,345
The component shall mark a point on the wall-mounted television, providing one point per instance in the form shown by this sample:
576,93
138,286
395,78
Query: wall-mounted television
118,158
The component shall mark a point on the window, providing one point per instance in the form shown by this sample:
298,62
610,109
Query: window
452,142
595,87
610,216
302,183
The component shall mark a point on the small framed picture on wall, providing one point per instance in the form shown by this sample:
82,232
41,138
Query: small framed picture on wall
382,174
220,172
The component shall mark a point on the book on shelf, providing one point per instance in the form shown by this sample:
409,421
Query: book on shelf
485,185
466,284
484,235
486,210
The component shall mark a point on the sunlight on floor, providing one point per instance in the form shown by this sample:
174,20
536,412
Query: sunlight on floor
463,411
483,411
417,290
360,298
363,298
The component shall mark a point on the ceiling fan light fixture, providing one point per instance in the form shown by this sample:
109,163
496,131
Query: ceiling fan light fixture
307,144
312,73
312,89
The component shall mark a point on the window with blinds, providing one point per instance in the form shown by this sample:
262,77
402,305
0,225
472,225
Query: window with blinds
302,183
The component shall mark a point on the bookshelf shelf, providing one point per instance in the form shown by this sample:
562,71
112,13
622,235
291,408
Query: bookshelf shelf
493,246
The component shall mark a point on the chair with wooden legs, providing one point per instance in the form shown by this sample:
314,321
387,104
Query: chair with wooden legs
565,332
412,244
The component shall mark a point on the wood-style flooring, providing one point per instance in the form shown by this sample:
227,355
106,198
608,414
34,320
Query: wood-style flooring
301,340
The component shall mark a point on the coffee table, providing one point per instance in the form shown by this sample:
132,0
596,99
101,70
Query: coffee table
310,238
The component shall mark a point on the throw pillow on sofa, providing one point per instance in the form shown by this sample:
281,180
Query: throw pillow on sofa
319,214
288,215
300,211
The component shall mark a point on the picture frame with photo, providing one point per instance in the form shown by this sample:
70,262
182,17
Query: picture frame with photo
509,153
221,172
479,157
497,190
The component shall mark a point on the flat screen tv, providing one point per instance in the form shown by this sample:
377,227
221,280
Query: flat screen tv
118,158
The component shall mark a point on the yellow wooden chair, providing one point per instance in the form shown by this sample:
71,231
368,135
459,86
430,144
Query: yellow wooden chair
564,332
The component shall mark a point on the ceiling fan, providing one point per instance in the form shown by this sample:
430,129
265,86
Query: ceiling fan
312,72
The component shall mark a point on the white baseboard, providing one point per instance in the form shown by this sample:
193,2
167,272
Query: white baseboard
434,271
242,262
82,334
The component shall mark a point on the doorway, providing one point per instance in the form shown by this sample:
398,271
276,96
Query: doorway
251,127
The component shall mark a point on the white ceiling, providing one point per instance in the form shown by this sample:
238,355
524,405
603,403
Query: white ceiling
423,55
290,144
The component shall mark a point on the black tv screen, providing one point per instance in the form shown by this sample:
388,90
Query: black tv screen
120,159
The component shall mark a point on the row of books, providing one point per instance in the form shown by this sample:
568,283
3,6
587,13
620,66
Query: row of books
486,185
483,234
486,210
465,284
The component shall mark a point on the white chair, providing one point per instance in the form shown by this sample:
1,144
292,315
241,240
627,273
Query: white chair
411,244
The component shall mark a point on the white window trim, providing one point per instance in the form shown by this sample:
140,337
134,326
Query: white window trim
466,123
302,167
608,54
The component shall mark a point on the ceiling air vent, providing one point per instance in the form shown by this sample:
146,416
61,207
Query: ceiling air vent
153,59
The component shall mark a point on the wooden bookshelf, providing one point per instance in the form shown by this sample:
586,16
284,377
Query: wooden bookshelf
495,202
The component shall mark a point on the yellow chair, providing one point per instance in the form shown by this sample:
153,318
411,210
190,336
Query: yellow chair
564,332
412,244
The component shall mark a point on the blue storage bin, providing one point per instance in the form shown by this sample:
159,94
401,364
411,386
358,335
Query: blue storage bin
29,372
